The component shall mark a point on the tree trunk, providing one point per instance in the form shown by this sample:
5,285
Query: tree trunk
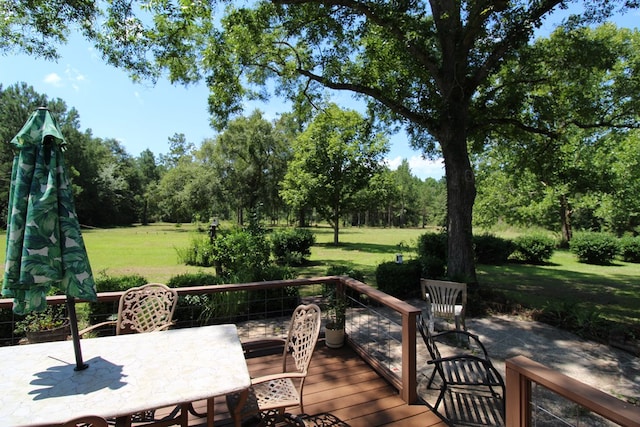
336,225
565,219
461,194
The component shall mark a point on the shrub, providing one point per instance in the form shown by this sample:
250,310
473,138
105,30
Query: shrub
105,283
432,254
533,248
492,250
400,280
594,248
193,279
242,255
585,322
345,270
432,267
433,245
292,246
200,253
630,248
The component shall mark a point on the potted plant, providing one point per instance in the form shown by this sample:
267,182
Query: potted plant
48,325
336,317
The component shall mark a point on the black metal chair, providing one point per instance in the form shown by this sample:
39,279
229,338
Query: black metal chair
468,378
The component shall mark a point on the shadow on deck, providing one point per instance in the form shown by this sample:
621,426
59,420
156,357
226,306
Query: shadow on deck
340,390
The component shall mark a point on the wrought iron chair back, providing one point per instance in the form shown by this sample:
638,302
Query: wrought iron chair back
146,308
270,395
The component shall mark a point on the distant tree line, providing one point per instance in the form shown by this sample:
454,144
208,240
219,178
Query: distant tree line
251,165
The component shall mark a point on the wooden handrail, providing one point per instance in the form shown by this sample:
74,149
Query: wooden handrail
522,371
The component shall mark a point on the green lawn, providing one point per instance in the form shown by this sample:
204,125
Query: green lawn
612,289
151,252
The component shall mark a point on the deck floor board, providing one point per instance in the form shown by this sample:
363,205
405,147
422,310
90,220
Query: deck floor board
341,386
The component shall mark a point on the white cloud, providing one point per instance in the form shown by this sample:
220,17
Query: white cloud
74,77
424,168
53,79
420,167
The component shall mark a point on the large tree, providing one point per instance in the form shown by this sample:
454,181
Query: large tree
249,158
563,104
419,64
333,159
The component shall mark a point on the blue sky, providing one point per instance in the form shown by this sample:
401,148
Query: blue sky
144,116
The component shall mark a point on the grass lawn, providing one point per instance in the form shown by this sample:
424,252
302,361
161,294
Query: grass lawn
150,251
614,289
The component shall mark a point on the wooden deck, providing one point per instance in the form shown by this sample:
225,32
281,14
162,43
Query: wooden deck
342,390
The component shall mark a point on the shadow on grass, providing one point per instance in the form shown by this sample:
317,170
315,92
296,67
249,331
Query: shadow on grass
617,297
372,248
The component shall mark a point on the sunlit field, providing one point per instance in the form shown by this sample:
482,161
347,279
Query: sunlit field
151,251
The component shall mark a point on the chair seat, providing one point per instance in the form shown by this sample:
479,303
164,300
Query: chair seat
469,372
276,394
441,308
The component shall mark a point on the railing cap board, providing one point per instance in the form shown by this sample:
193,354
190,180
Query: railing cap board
616,410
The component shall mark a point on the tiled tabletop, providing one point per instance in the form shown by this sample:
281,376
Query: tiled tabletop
126,374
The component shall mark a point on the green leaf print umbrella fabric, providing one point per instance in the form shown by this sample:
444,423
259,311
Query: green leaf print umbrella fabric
44,244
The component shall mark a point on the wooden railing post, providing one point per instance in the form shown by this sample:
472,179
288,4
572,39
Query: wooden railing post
518,397
409,392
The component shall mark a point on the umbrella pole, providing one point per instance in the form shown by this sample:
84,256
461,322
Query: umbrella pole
73,323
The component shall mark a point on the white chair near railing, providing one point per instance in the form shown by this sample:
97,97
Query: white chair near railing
445,300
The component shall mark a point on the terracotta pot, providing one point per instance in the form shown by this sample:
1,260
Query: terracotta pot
57,334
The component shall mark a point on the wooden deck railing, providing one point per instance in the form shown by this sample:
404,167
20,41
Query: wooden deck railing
521,372
406,383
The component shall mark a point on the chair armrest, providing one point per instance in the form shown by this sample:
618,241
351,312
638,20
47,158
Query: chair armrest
263,346
467,334
164,327
96,326
271,377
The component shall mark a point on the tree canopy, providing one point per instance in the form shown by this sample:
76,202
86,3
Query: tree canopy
333,160
418,64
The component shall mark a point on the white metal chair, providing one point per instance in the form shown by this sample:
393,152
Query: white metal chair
146,308
445,300
273,393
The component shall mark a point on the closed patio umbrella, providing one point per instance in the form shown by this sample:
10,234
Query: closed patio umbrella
44,244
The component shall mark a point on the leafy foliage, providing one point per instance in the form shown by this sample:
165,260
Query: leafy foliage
242,255
594,248
292,246
345,270
52,317
201,252
490,249
630,248
533,248
432,253
587,323
333,160
400,280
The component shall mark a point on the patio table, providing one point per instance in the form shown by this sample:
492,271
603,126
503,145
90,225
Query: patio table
127,374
